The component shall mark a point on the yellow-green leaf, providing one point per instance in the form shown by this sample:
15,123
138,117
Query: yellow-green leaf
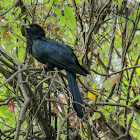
111,82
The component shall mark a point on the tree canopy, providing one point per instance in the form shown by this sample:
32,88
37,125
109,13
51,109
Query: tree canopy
36,103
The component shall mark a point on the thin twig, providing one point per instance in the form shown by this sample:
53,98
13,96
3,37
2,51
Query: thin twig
62,123
44,96
21,70
103,74
15,3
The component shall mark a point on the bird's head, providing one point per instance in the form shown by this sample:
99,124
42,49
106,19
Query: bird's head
34,31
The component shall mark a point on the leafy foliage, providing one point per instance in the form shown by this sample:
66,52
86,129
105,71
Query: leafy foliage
36,104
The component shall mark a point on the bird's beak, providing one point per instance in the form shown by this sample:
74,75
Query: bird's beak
26,26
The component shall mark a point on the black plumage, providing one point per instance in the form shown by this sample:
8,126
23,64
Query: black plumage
55,54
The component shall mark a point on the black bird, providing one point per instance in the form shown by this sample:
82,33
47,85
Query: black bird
55,54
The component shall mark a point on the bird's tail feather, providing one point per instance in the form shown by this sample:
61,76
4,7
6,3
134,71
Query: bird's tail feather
75,93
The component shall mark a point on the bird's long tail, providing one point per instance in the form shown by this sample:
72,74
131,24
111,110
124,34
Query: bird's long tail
75,93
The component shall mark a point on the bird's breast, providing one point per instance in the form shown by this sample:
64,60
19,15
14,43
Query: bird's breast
39,51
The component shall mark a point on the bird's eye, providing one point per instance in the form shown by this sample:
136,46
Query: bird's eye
34,27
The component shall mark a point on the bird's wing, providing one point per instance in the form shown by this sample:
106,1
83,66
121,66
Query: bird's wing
59,55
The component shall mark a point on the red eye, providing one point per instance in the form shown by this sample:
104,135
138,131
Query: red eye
34,27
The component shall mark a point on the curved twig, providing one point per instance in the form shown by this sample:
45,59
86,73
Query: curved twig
15,3
103,74
12,76
62,123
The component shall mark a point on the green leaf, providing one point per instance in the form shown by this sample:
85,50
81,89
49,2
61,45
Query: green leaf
54,1
18,11
70,16
136,98
63,137
96,116
111,82
69,13
120,3
77,1
23,16
7,115
59,15
138,71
